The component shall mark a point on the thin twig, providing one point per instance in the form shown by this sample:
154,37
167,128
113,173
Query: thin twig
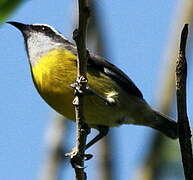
166,89
77,159
183,124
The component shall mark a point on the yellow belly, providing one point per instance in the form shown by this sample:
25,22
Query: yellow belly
54,73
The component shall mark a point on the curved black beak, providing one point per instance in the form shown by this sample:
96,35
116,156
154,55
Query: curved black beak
24,28
18,25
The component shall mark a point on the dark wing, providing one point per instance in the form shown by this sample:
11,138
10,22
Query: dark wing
110,70
116,74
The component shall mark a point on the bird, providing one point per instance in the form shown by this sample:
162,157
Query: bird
114,99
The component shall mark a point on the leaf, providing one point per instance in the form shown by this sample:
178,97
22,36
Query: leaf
7,7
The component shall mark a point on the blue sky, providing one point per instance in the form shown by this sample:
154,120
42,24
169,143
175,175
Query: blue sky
135,34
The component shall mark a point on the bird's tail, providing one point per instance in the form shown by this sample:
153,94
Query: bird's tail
165,125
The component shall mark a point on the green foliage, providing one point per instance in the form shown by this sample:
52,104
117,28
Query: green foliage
7,7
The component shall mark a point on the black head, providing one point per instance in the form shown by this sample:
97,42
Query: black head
44,29
40,39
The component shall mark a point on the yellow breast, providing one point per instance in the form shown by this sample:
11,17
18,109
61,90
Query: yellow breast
53,74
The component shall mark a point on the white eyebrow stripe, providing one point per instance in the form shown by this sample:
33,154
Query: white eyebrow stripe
58,33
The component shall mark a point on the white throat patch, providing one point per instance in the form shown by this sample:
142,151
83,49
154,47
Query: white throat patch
38,44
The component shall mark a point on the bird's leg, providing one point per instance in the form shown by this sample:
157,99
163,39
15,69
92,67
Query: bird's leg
103,131
89,91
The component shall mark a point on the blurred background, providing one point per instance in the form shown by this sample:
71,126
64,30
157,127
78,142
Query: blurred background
141,37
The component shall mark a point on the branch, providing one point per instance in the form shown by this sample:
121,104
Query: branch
166,89
183,124
79,35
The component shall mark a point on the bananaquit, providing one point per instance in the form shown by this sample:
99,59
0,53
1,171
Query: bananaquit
53,62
